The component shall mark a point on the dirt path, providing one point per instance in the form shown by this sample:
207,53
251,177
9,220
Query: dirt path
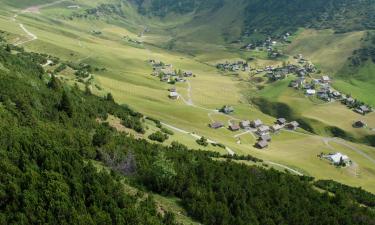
31,9
285,167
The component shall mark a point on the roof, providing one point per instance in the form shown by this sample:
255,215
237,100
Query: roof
325,78
276,127
364,108
294,124
262,144
310,91
263,128
281,120
216,125
234,127
173,94
245,123
335,158
257,122
265,137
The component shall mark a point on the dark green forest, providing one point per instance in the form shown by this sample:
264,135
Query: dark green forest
50,135
276,17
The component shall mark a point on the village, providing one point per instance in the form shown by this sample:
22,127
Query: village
260,130
166,73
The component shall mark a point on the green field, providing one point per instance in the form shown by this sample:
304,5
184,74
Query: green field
128,78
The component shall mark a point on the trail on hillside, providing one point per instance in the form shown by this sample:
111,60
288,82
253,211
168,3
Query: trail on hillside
31,9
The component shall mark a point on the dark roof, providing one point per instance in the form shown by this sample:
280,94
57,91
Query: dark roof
216,125
234,127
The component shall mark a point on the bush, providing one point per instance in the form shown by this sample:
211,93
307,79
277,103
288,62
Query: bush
158,136
202,141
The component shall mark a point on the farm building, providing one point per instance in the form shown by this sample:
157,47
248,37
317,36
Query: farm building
227,109
261,144
245,124
310,92
281,121
359,124
276,128
234,127
263,130
174,95
338,158
292,125
256,123
326,79
216,125
265,137
188,74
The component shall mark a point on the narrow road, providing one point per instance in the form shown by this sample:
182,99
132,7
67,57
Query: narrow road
32,9
32,37
285,167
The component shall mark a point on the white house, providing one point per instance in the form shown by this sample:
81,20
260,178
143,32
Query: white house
337,157
310,92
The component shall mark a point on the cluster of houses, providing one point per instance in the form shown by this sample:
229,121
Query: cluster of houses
267,44
357,106
262,131
167,73
322,89
234,66
280,73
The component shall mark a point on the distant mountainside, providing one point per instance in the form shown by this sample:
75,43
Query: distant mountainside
163,7
275,17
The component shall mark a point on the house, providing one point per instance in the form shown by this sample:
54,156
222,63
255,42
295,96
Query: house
216,125
325,79
256,123
227,109
281,121
359,124
180,79
234,127
310,92
245,124
338,158
174,95
349,101
364,109
292,125
275,128
265,137
188,74
263,130
261,144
